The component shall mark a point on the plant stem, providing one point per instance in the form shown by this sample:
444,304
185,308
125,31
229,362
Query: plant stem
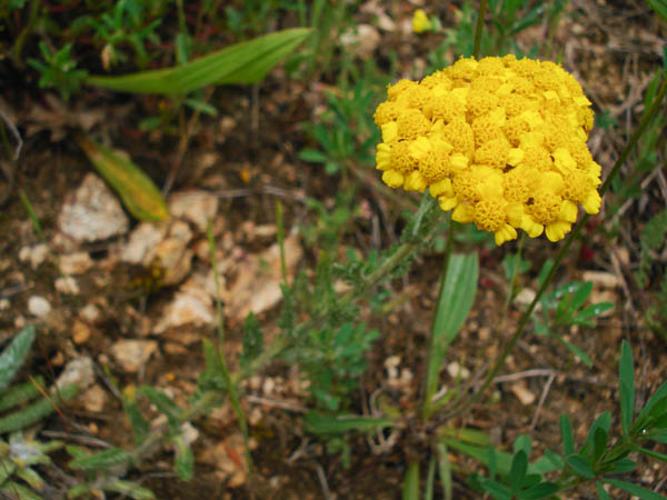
499,362
479,27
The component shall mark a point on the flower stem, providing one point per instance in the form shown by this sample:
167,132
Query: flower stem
479,27
499,362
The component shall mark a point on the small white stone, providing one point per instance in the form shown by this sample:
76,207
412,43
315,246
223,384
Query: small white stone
36,255
198,207
90,313
523,394
94,399
190,433
187,308
38,306
132,355
75,263
67,285
79,371
602,279
525,297
455,370
4,304
92,212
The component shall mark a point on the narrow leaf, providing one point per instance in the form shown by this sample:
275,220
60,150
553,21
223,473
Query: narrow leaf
319,423
14,355
627,386
518,470
633,489
35,412
184,462
580,466
457,295
566,435
444,470
241,63
602,494
411,482
102,460
140,196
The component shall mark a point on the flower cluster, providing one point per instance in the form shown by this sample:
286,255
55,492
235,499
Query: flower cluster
500,141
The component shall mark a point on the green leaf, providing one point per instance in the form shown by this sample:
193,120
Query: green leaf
20,393
430,479
577,351
660,8
627,387
444,470
633,489
518,470
312,156
657,397
102,460
457,294
586,315
16,490
129,489
602,494
37,411
319,423
184,462
164,405
622,466
542,490
566,435
411,482
140,196
14,355
580,465
241,63
655,454
497,490
253,340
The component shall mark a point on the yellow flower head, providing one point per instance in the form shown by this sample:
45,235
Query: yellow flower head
420,21
501,142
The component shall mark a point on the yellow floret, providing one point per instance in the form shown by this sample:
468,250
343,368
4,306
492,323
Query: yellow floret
412,123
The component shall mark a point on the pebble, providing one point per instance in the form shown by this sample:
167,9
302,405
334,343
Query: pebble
455,370
132,355
525,297
38,306
92,212
36,255
522,393
75,263
67,285
80,332
187,308
90,313
602,279
94,399
79,371
197,207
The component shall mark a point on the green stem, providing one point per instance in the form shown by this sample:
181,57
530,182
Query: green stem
430,381
514,273
499,362
479,27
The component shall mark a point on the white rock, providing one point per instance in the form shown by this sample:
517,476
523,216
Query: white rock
187,308
38,306
525,297
36,255
75,263
198,207
190,433
523,394
455,370
90,313
142,241
67,285
79,371
94,399
132,355
92,212
4,304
